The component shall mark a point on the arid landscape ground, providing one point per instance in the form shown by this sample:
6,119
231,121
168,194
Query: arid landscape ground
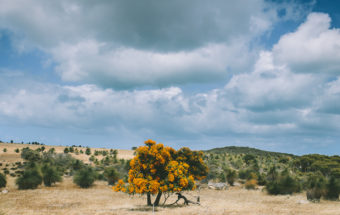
66,198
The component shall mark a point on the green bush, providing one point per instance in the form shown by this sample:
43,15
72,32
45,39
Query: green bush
88,151
231,177
332,189
285,184
261,180
85,177
316,184
222,177
3,180
30,179
30,155
111,175
245,174
50,175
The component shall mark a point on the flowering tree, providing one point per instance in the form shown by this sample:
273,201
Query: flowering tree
157,169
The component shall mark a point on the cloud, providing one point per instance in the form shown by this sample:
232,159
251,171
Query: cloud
128,44
272,87
312,48
167,26
92,62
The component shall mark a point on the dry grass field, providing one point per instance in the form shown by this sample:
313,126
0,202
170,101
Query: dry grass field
66,198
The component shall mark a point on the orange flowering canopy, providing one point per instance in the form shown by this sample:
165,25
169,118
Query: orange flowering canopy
158,169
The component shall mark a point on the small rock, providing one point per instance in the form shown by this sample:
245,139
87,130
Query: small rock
5,191
303,202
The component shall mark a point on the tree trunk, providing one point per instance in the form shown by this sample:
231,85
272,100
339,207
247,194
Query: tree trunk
149,199
158,198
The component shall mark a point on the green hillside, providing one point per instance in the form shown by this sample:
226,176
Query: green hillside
246,150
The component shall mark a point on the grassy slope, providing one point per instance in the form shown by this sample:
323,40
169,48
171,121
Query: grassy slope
11,156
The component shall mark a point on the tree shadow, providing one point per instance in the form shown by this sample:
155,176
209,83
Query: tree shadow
173,206
143,208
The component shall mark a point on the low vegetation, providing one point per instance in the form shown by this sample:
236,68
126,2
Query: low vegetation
3,180
85,177
162,171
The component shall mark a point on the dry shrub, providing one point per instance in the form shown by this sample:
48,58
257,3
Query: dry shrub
251,184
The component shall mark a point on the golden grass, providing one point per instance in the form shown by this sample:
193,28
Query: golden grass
67,198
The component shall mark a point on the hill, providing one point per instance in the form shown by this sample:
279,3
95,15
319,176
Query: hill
8,152
246,150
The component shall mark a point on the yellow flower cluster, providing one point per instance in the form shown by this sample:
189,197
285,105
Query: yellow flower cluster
119,186
157,168
140,185
164,188
183,182
171,177
154,186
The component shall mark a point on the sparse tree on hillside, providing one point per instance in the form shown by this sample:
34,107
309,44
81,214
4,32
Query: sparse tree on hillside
66,150
30,155
111,175
30,179
85,177
88,151
50,175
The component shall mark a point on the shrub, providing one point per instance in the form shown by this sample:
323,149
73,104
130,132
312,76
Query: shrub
261,180
245,174
88,151
248,158
231,177
3,180
251,184
111,175
66,150
77,165
285,184
50,175
332,189
316,184
6,171
51,150
85,177
17,150
30,155
4,150
314,195
222,177
30,179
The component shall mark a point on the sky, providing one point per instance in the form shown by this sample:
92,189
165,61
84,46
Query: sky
195,73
